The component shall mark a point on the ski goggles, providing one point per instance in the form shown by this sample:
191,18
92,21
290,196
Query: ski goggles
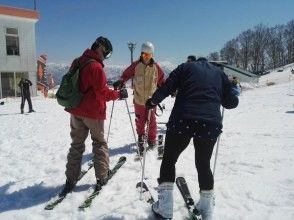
106,53
147,56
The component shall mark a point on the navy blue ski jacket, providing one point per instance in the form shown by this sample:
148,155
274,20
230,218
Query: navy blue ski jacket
201,89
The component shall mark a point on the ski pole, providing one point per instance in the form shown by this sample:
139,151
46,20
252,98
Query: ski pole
217,145
110,121
144,152
131,121
133,131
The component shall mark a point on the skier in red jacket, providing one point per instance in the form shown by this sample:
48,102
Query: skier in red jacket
90,115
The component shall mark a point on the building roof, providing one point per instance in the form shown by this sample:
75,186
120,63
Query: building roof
241,74
19,12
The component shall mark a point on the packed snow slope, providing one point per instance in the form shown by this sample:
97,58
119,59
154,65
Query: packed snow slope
254,176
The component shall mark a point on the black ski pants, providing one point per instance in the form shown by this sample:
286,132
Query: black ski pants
175,144
23,99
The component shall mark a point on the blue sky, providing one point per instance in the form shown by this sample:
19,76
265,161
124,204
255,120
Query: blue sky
176,27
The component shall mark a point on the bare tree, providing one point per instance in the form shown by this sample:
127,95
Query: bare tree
213,56
275,49
258,46
245,40
230,52
289,41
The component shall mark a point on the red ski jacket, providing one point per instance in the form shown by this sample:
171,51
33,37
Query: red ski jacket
93,84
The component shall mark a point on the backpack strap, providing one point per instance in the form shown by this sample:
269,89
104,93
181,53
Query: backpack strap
84,64
82,67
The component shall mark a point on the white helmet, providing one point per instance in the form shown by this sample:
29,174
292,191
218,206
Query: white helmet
147,47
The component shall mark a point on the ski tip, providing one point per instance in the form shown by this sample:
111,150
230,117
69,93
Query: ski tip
139,184
81,208
122,158
48,207
144,186
180,178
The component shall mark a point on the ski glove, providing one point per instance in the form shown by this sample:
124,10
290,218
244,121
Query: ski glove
123,94
118,84
236,90
149,104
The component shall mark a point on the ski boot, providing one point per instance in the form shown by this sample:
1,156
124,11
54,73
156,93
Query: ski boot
68,187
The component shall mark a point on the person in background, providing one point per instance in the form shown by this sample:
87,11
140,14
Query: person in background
237,83
147,77
24,85
202,89
89,116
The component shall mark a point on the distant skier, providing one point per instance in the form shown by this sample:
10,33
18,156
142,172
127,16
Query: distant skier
147,76
202,89
24,85
237,83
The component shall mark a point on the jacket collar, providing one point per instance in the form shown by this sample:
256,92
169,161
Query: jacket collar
150,63
90,54
201,59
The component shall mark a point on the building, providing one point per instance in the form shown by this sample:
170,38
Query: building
241,74
17,49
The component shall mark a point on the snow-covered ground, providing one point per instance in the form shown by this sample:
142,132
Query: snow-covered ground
254,174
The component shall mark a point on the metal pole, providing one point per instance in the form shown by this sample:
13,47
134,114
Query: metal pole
110,121
217,145
131,122
132,47
144,152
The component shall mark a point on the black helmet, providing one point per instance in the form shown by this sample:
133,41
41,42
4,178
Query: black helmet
102,41
191,58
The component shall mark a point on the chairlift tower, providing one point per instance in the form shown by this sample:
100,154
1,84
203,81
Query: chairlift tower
132,47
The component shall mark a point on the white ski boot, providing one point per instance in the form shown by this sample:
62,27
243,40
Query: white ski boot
206,204
164,206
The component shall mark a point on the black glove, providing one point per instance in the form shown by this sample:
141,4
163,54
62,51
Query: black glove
118,84
123,94
236,90
149,104
174,94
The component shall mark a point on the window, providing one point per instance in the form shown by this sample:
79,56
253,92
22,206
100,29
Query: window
12,41
10,82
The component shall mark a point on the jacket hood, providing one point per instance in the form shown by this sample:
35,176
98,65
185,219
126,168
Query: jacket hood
90,54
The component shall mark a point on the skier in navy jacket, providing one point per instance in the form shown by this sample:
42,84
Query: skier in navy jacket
202,89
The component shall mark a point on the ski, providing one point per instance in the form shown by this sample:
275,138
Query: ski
88,201
189,202
147,197
60,198
145,191
160,149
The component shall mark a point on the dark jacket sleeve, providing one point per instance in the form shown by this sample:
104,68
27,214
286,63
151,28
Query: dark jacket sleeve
168,88
160,80
229,100
29,81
